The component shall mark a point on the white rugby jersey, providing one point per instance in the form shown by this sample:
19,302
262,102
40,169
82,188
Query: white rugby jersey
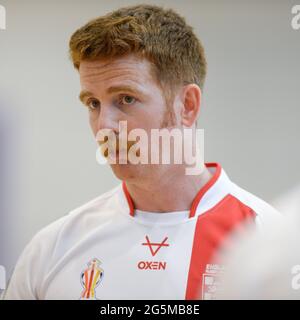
106,249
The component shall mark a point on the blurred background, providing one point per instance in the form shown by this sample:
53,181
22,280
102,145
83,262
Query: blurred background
250,111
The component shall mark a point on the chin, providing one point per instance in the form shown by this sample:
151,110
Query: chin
125,172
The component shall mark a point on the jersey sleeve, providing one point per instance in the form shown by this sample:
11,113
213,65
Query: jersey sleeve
31,268
23,283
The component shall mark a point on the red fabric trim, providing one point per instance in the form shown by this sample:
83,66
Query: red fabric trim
205,188
129,200
212,228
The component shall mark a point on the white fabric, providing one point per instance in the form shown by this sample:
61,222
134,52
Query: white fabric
51,265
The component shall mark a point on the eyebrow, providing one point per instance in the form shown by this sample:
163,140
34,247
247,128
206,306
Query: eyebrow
85,94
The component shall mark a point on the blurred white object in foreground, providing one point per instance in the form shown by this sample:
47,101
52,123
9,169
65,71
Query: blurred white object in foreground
266,262
289,203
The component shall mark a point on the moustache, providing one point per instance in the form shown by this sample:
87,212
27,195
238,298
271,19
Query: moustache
112,146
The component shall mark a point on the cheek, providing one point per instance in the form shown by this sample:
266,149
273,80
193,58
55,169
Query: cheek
93,125
154,115
146,121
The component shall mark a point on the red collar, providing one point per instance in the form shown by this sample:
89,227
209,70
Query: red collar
197,198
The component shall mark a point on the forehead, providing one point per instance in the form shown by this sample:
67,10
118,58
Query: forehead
126,68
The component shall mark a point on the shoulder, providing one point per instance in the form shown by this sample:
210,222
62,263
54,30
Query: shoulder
53,241
265,213
81,219
78,222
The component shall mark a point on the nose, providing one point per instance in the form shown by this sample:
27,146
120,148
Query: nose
105,124
108,118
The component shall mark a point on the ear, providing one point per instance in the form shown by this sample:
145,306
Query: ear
191,101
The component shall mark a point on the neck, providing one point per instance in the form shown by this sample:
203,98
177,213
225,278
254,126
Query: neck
171,192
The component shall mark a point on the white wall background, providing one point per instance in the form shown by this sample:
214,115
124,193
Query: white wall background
250,112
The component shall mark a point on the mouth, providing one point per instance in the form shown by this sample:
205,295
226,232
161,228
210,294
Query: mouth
114,156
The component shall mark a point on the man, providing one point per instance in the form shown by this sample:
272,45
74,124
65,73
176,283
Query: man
155,235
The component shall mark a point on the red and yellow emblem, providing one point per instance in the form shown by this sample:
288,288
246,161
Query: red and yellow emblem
90,279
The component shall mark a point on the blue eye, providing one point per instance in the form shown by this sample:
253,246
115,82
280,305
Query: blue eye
125,100
93,104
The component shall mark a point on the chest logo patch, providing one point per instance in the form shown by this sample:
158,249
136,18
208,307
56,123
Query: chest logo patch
90,278
154,244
